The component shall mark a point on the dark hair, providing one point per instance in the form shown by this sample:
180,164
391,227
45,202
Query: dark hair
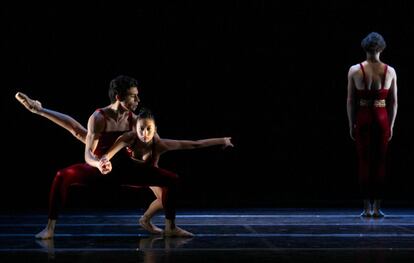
145,113
120,86
373,43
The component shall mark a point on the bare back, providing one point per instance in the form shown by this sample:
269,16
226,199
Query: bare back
374,74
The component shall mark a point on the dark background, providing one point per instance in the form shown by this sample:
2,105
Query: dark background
272,77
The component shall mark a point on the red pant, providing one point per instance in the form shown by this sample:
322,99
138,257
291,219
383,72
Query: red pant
131,174
372,134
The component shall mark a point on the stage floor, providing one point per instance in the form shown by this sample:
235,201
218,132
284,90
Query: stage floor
233,235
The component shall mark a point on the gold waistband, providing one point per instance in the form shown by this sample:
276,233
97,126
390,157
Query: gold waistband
373,103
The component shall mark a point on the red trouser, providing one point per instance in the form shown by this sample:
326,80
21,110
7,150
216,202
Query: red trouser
131,174
372,134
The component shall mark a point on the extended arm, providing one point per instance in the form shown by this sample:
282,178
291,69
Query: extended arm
124,140
170,145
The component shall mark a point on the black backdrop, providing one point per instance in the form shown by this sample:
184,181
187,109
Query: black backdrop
272,77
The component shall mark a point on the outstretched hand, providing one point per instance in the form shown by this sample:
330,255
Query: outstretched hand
227,142
105,166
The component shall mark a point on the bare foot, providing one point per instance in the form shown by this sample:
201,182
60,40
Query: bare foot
150,227
45,234
177,232
378,214
32,105
365,214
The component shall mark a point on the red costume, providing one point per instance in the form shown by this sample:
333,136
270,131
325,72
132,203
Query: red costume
125,171
372,133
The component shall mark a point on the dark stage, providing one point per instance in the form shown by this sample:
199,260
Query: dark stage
243,235
272,76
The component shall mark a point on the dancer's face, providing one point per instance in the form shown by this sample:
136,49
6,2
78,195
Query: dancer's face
131,100
146,129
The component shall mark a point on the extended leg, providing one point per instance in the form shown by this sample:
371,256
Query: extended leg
63,120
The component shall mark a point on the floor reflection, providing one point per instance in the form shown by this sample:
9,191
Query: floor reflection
284,235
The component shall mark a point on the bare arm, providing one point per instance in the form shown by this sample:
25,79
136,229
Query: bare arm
124,140
96,125
351,101
104,163
392,104
171,145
